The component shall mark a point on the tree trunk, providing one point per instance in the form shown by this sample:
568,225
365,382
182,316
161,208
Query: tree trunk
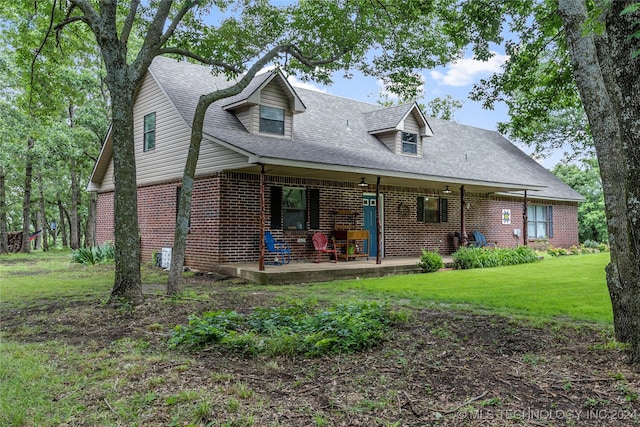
174,284
127,285
74,224
4,236
26,200
61,225
42,216
607,79
90,229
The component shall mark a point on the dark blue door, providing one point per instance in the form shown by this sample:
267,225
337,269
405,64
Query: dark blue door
369,207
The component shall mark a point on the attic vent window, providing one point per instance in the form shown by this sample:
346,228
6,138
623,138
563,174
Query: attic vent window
409,143
271,120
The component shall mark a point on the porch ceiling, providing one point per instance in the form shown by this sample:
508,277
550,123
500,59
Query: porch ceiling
354,175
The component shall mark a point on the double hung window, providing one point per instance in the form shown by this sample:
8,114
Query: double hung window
409,143
271,120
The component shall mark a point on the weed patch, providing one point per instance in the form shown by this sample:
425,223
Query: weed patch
291,330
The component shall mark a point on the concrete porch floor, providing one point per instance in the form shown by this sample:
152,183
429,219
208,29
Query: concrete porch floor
307,271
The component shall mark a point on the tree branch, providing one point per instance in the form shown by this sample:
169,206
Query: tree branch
128,23
188,54
188,5
38,51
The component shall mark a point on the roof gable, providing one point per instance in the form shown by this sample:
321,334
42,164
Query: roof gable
392,119
251,94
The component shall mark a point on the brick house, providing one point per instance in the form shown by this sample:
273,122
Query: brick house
314,149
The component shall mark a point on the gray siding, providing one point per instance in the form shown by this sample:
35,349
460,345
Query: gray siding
411,125
166,162
273,96
390,139
244,114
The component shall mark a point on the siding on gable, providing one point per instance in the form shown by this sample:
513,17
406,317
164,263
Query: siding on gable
411,125
107,181
390,139
244,114
166,161
273,95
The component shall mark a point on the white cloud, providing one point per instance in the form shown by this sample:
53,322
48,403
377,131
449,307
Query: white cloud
466,71
305,85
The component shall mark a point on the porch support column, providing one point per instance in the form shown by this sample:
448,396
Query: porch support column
378,226
463,228
262,219
525,221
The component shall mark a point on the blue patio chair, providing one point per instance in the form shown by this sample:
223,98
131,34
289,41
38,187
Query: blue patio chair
480,241
278,247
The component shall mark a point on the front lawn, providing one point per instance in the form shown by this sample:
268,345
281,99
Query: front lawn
569,287
67,358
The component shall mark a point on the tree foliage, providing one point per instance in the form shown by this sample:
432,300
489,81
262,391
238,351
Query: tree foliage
585,179
53,121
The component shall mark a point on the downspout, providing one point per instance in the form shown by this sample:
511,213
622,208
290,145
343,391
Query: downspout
262,219
378,226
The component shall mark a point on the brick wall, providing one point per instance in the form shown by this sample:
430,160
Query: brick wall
225,219
104,218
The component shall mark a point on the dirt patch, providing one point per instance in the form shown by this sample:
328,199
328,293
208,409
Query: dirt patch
441,368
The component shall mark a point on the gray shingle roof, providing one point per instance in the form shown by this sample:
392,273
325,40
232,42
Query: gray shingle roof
321,135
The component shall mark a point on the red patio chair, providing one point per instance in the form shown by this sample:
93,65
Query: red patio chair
320,243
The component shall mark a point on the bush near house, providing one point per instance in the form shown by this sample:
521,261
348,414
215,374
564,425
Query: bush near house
588,247
430,261
94,255
466,258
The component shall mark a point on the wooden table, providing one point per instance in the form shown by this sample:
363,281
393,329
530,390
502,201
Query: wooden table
349,237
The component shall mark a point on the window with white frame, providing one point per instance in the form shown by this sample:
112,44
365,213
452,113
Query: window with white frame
409,143
271,120
149,132
537,222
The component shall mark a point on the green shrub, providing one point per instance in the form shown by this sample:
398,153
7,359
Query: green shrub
467,258
430,261
289,330
93,255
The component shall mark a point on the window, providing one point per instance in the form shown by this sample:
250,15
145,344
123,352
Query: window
149,132
271,120
289,208
409,143
433,209
294,208
537,222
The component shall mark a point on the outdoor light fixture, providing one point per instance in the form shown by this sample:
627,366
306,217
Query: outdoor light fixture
446,190
362,183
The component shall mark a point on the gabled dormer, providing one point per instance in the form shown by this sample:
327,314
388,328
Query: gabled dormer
401,128
267,105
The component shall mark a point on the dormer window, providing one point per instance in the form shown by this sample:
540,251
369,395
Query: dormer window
271,120
409,143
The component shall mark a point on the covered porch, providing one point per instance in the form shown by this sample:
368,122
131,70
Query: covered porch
306,271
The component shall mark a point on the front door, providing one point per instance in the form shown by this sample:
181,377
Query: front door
369,207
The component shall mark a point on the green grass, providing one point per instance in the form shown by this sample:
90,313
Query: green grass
51,383
561,288
37,276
